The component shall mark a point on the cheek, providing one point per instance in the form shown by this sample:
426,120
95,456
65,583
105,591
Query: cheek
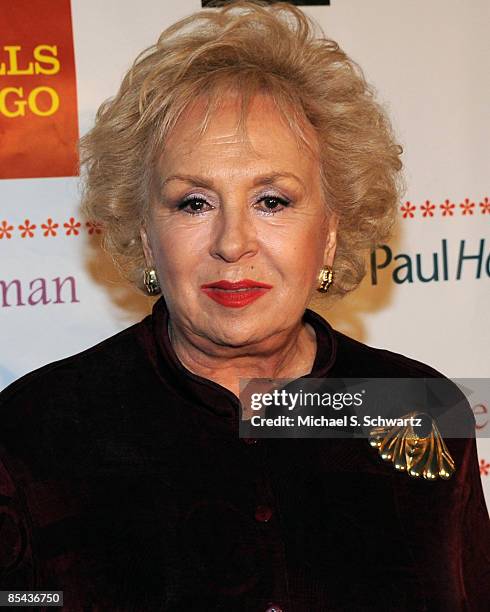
296,250
178,251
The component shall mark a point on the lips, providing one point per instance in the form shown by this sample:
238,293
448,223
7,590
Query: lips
235,294
242,284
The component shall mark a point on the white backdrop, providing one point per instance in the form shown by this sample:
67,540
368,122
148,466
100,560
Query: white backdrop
429,64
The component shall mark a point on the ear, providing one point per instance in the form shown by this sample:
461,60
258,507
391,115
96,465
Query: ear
331,243
146,246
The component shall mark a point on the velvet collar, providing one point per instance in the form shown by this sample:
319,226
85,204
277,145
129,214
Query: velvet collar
215,397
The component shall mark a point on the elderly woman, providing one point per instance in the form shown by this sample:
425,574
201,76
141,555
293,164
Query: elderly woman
243,163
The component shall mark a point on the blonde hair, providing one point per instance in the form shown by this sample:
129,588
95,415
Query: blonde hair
246,47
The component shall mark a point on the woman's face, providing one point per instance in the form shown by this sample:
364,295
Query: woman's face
227,211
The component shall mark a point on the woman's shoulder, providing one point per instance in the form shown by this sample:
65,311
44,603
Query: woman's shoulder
442,395
61,415
359,359
74,376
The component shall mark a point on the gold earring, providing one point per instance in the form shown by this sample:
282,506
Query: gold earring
325,279
150,280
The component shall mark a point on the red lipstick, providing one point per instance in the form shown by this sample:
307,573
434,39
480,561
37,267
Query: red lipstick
237,294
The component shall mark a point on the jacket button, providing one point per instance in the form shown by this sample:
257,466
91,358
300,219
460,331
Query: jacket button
274,608
250,440
263,514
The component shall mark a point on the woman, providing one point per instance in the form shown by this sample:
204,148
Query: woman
242,163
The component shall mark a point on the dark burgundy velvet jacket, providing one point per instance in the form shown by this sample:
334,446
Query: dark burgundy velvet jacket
124,483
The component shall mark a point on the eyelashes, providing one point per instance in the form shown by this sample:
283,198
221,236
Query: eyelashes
187,204
196,205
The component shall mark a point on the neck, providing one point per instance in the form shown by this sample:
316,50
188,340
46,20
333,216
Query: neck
288,355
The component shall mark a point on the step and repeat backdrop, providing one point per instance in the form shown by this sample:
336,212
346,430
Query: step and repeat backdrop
426,292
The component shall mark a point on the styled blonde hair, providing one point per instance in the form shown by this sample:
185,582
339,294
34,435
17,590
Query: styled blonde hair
246,47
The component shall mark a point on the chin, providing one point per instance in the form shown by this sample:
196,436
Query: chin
237,336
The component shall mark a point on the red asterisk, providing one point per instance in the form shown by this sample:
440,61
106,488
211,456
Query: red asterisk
6,230
485,206
93,226
407,210
484,467
447,208
72,227
49,227
467,207
27,229
428,208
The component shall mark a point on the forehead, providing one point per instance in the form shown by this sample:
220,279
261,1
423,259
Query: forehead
201,136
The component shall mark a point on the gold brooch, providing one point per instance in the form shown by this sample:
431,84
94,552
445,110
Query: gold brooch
417,455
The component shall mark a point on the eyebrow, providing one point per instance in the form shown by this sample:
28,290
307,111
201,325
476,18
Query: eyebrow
263,179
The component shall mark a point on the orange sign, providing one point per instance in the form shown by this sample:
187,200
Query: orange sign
38,100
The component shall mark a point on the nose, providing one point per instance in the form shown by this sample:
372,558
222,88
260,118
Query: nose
234,234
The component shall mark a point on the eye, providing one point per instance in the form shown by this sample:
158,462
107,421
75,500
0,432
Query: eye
273,204
193,205
197,205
